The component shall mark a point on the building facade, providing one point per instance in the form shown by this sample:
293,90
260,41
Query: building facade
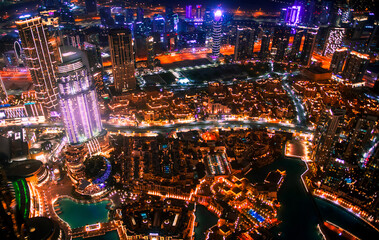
122,55
79,107
40,51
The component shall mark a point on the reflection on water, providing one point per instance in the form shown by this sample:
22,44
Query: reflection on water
79,215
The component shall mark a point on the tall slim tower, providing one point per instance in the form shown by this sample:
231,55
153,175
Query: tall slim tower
78,100
189,11
40,51
150,51
264,53
217,34
308,47
122,55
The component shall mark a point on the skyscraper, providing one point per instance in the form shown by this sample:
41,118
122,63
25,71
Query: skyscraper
244,44
122,55
217,34
189,11
78,100
3,92
40,51
309,44
358,139
355,67
326,134
295,49
198,12
150,51
265,44
338,60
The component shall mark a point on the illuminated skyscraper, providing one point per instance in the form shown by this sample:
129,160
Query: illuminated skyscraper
327,133
244,44
78,102
333,41
293,15
338,60
40,51
159,24
355,67
91,6
217,34
122,55
198,12
189,11
309,44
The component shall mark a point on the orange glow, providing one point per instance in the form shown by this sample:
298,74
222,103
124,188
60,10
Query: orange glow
325,61
107,63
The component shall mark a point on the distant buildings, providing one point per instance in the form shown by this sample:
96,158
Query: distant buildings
40,51
122,55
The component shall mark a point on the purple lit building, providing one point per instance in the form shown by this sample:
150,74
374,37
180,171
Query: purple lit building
78,101
293,15
189,11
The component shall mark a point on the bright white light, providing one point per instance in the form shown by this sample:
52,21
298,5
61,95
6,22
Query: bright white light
218,13
67,54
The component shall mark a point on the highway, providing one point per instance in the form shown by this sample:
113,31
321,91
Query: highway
196,125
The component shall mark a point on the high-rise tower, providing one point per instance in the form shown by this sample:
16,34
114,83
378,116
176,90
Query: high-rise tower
78,101
308,47
244,44
355,67
122,55
217,34
40,51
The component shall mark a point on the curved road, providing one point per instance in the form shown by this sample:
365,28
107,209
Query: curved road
192,126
